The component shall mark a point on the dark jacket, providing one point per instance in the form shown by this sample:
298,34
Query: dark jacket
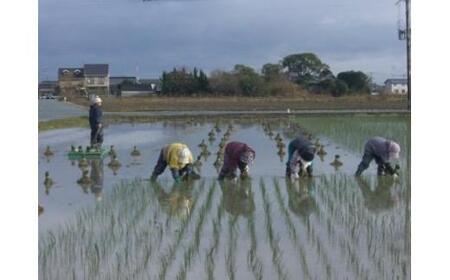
233,152
302,145
95,116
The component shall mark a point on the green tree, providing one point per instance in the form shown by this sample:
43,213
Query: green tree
356,81
331,86
305,68
272,72
248,80
340,88
203,82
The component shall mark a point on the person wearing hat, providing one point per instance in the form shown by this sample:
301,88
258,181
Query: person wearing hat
95,122
300,156
383,151
179,159
237,155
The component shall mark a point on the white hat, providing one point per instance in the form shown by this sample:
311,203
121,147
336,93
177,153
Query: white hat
394,150
184,155
96,99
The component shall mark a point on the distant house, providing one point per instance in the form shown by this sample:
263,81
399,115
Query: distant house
396,86
128,90
71,80
115,83
376,89
155,84
96,79
46,88
117,80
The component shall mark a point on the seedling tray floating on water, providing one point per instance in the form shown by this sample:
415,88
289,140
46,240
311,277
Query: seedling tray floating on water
95,154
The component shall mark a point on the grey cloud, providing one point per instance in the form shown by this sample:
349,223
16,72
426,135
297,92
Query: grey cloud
217,34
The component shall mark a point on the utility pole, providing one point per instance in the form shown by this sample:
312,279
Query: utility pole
404,33
408,48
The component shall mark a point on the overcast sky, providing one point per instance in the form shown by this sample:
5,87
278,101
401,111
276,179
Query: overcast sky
145,38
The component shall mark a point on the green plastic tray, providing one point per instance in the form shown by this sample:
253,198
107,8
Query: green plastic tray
88,155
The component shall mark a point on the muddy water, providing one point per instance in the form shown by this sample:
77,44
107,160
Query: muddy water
329,227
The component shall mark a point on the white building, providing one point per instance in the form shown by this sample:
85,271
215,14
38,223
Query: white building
396,86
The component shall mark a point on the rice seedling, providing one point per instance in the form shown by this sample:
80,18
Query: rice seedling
48,152
135,152
253,261
273,240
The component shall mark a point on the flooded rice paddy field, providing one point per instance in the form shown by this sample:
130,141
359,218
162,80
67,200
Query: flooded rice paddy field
122,226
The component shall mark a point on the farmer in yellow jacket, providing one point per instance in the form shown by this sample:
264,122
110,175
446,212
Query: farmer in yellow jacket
179,159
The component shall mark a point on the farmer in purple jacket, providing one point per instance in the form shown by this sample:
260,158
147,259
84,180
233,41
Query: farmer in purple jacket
237,155
383,151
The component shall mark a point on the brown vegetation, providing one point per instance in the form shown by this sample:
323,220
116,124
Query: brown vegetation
299,101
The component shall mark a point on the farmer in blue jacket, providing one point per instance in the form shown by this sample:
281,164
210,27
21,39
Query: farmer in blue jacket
383,151
95,121
300,156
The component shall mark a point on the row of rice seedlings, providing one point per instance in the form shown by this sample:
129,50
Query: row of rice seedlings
85,240
134,231
353,132
167,259
292,232
347,247
193,248
319,245
357,228
253,261
212,251
273,240
131,232
230,257
384,227
315,240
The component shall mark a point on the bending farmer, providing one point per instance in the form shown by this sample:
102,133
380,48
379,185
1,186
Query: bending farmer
95,121
300,156
179,159
383,151
237,155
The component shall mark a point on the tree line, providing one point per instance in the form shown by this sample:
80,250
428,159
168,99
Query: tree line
294,74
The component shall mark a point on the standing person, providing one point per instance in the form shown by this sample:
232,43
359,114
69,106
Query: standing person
179,159
300,156
95,121
383,151
237,155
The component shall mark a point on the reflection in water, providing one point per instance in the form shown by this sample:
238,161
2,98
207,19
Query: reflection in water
96,177
48,183
83,164
85,181
114,164
381,197
92,180
178,201
311,229
300,200
237,197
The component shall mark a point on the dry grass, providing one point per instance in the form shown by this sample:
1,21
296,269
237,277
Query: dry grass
307,102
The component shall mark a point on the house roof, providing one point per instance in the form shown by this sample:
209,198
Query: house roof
96,69
137,87
76,72
150,81
47,84
396,81
119,79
